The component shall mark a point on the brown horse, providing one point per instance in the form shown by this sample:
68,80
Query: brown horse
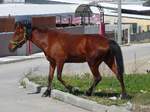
61,47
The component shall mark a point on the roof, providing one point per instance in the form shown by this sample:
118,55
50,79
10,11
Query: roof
134,11
83,10
35,9
72,1
39,9
54,9
128,7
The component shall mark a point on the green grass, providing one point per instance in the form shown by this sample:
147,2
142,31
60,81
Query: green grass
136,85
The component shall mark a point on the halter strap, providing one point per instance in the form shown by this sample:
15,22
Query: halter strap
27,33
20,42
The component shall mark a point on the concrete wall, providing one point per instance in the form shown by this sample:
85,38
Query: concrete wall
74,30
82,29
24,50
4,40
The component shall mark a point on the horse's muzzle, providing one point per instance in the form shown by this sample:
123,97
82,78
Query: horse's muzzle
12,48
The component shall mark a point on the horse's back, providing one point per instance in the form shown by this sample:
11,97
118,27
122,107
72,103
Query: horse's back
85,46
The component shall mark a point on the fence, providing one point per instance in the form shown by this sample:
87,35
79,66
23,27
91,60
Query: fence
45,22
7,24
140,36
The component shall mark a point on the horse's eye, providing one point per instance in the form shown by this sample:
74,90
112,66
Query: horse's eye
21,30
17,33
17,29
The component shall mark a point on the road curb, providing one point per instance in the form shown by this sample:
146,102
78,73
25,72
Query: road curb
86,104
14,59
19,60
30,86
75,100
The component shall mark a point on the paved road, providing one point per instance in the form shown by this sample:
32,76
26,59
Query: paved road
15,99
137,58
138,51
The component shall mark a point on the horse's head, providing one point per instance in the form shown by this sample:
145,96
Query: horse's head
21,34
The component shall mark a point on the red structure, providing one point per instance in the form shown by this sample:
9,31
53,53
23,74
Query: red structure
102,24
29,48
84,11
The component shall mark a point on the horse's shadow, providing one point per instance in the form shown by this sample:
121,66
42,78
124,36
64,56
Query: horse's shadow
101,94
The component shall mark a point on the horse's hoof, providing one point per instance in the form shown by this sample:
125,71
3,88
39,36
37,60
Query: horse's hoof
75,90
47,93
124,96
70,88
88,93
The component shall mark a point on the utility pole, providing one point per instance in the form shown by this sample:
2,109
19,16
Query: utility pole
119,39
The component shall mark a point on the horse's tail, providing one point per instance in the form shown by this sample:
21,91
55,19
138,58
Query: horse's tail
116,51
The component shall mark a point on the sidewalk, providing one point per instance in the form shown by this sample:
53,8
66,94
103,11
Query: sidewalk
12,59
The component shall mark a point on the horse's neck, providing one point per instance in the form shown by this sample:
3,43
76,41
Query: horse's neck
39,39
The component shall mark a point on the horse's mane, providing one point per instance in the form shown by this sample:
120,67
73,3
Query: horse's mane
49,29
23,23
42,29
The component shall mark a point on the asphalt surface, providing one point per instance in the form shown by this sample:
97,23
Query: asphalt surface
138,51
136,58
13,98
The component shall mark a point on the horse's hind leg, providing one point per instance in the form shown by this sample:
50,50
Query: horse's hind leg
113,66
97,77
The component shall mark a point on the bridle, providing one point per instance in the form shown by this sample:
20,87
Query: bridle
26,36
16,43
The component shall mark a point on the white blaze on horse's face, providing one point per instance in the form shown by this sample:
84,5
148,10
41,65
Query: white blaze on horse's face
18,38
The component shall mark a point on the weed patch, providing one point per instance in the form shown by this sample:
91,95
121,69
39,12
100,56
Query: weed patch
136,84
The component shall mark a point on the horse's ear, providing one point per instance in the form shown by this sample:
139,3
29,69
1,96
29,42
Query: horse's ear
17,24
28,29
29,26
25,22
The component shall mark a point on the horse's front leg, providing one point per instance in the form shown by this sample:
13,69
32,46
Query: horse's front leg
60,65
50,78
